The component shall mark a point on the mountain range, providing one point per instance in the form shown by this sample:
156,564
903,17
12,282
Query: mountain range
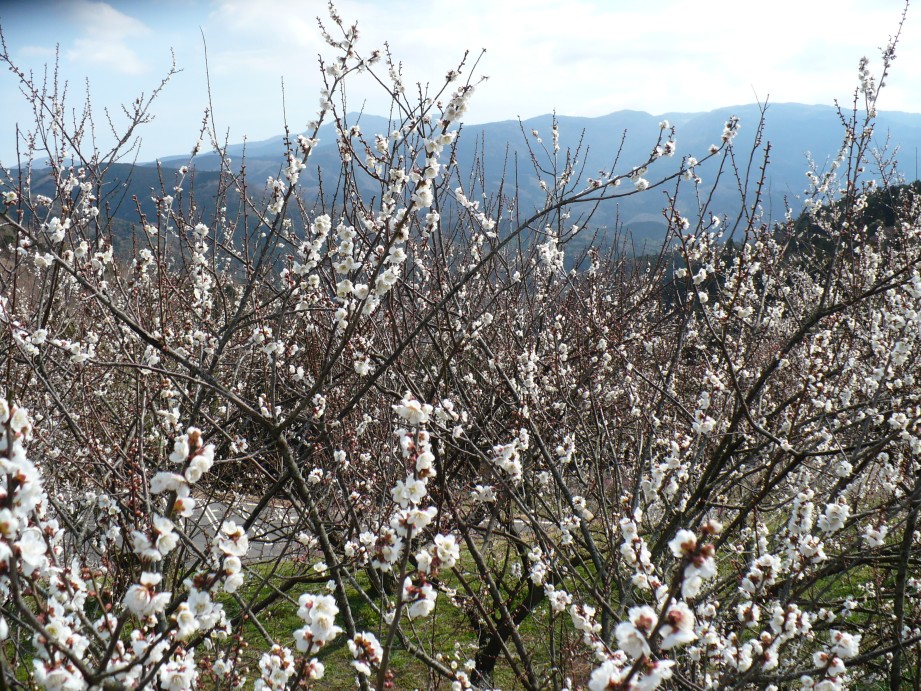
796,133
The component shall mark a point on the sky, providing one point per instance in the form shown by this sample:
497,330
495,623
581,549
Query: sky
579,57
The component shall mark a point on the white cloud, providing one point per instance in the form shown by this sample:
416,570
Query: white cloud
115,55
102,19
591,57
106,37
36,52
582,57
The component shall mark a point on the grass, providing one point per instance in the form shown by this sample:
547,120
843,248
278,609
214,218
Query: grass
446,632
441,629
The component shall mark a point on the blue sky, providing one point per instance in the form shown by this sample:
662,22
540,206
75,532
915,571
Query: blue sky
582,57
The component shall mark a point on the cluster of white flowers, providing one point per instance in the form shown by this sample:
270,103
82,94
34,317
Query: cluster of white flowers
57,229
507,457
276,668
310,253
264,338
867,80
442,554
701,565
673,468
168,481
278,193
639,182
366,651
457,106
551,255
636,554
419,599
201,273
319,615
414,412
30,542
473,207
614,674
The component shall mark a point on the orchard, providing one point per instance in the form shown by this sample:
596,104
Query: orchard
393,429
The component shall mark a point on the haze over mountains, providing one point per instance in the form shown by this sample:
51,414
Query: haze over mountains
793,130
500,148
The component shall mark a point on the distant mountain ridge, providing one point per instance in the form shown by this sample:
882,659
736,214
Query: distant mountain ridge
792,129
